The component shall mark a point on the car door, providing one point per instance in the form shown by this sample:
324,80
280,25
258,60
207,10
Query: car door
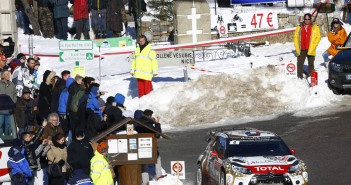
215,161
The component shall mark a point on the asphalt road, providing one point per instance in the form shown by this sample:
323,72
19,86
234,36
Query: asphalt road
323,142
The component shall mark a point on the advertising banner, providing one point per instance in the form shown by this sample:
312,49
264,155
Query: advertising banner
254,1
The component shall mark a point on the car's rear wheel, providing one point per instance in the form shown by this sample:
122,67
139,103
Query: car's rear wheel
199,177
222,180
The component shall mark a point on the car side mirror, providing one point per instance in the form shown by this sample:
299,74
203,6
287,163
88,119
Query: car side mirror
292,151
337,47
214,155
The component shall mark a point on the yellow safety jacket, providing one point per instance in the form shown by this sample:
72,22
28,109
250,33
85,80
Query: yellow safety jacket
314,40
100,172
144,64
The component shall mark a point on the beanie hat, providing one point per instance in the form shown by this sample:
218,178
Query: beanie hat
119,98
37,63
128,114
110,100
26,90
94,90
79,132
102,147
336,21
20,55
101,102
148,112
16,142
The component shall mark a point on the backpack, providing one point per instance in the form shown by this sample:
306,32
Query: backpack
75,100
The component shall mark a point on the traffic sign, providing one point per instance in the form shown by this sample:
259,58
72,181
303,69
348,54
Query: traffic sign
76,45
178,169
290,69
222,30
73,56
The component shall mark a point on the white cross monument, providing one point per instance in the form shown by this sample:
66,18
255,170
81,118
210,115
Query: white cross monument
194,18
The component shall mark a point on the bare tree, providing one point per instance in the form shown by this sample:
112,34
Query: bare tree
32,17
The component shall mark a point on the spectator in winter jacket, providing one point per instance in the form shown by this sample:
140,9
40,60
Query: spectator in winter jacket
58,154
30,141
62,109
114,111
45,92
93,102
17,162
306,40
61,14
36,68
52,128
18,61
46,18
100,170
98,10
95,123
81,15
60,84
7,88
72,108
25,112
80,152
80,178
336,36
24,77
151,122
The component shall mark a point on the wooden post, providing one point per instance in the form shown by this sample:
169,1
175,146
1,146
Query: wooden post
130,174
178,169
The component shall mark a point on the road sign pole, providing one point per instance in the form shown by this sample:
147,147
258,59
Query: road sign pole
99,65
178,169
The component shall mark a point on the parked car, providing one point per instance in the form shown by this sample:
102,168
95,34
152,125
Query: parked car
339,69
6,109
249,157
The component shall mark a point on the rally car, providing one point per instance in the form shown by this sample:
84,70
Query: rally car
249,157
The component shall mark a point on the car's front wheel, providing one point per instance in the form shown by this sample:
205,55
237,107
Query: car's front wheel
222,180
199,177
335,90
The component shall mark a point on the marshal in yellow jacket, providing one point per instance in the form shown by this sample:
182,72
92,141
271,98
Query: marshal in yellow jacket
144,64
100,172
314,40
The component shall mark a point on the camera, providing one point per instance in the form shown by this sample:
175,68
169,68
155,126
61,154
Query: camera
8,50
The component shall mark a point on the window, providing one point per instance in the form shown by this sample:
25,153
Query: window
219,146
223,3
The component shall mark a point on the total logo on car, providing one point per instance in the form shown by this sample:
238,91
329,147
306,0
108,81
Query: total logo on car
249,157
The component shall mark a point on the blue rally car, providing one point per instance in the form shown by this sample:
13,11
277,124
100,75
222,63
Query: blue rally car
340,69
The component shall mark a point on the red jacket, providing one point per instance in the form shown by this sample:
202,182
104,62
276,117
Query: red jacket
81,10
305,36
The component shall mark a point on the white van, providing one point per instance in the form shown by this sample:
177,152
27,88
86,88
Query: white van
6,110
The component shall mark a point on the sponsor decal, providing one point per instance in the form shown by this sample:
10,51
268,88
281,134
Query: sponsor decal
262,169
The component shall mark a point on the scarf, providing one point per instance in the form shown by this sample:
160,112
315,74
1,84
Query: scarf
58,145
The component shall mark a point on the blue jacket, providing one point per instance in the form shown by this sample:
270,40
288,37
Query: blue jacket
60,8
80,178
93,104
18,163
35,81
62,109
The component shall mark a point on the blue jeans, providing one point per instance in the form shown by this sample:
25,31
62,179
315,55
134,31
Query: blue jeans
5,124
326,56
46,178
62,27
24,20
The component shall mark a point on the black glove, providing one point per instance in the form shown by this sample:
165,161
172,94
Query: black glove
61,162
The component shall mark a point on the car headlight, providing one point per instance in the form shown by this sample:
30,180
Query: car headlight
295,167
240,169
336,67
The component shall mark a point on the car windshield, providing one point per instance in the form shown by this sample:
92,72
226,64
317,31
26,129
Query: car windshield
7,126
348,42
246,148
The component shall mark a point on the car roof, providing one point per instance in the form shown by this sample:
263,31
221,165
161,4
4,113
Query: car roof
245,133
